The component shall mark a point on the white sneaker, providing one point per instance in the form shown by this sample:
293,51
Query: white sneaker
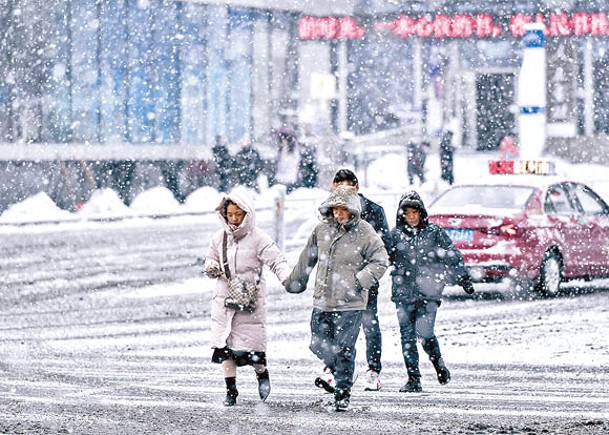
326,381
372,381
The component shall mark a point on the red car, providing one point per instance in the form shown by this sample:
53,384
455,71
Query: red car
535,230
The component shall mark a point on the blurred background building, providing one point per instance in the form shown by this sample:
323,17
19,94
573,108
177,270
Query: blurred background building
158,80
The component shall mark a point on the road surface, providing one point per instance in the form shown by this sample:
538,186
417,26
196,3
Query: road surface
104,331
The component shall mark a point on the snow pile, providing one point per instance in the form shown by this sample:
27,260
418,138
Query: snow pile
104,204
204,199
383,180
156,201
37,208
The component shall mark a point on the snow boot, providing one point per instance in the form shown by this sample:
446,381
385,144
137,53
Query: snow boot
442,372
412,386
341,400
264,384
432,348
231,391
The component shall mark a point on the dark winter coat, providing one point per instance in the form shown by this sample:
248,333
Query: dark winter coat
446,157
350,257
374,215
223,166
307,166
424,258
248,165
222,158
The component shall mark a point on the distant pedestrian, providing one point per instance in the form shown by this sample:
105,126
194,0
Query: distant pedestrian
417,155
240,250
374,214
424,261
248,164
350,259
307,166
223,163
288,158
446,156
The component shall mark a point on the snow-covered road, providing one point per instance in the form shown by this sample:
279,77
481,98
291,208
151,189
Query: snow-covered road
104,331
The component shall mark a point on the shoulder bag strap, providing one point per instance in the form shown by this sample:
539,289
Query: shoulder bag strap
225,260
224,256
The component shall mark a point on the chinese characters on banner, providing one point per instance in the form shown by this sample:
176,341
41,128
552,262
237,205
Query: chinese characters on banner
455,26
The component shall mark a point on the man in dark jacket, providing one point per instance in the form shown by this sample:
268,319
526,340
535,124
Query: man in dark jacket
416,155
375,216
248,164
424,260
223,163
446,157
350,259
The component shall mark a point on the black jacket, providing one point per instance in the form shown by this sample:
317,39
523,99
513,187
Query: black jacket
374,215
424,258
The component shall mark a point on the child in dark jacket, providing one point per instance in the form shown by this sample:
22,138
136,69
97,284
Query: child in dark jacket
424,261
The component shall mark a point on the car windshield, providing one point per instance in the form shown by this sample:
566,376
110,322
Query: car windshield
500,197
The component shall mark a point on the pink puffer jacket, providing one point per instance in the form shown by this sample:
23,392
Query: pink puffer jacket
248,250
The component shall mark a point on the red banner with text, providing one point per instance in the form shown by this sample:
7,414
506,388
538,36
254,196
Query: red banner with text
455,26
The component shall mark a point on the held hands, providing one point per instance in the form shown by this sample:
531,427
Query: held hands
294,286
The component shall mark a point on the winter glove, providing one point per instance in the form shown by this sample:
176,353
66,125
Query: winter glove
213,272
294,286
467,285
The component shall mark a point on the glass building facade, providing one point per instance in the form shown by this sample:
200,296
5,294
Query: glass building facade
181,72
141,71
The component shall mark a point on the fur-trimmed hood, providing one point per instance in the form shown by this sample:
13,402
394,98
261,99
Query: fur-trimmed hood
342,196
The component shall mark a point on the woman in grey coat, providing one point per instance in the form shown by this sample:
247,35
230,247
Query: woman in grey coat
350,258
424,260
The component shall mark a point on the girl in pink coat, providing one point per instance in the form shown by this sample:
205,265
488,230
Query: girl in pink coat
239,337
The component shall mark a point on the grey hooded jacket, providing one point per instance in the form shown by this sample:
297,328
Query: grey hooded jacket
350,258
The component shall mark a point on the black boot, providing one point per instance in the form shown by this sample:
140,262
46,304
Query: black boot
264,384
412,386
411,358
341,400
432,348
442,371
231,391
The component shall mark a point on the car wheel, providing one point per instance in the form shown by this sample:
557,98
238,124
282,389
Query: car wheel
550,274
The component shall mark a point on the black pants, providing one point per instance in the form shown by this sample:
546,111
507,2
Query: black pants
418,319
372,330
333,337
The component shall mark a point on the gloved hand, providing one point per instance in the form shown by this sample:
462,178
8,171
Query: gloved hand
467,285
294,286
213,272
